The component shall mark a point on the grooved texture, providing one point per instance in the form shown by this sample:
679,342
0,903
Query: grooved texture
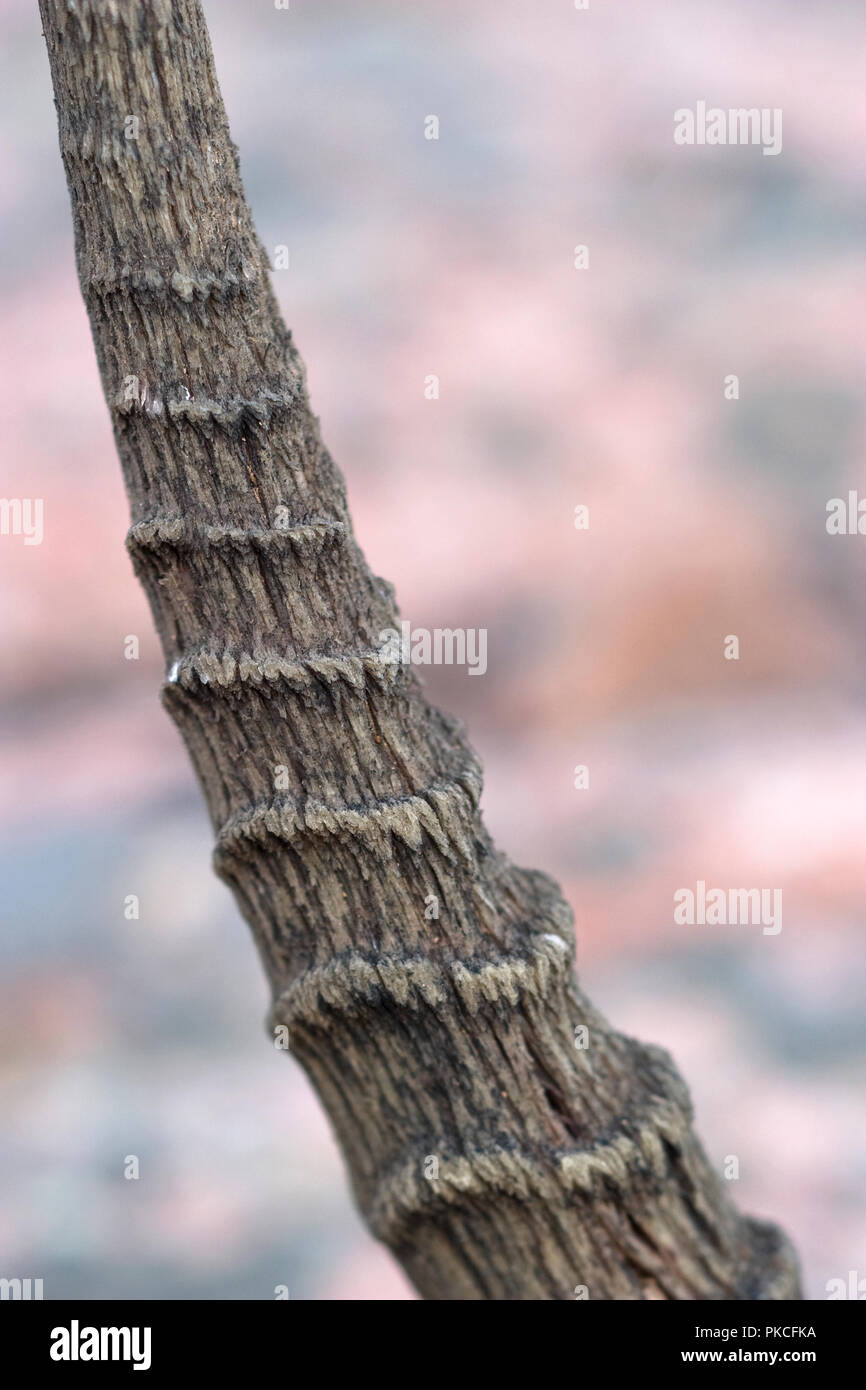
497,1159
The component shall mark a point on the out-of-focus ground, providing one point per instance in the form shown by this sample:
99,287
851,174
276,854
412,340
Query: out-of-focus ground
559,387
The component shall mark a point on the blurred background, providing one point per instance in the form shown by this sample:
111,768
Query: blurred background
601,387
